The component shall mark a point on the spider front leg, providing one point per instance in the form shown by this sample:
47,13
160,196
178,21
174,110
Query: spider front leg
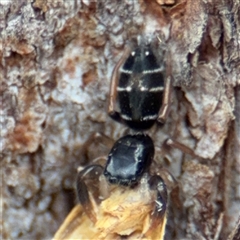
159,219
169,180
113,88
89,176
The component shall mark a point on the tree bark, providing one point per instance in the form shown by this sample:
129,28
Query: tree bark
57,60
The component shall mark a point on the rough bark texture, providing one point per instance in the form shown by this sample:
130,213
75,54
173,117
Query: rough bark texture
57,60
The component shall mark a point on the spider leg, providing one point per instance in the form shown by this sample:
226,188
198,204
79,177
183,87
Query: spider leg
95,138
159,214
164,110
113,88
88,176
185,149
